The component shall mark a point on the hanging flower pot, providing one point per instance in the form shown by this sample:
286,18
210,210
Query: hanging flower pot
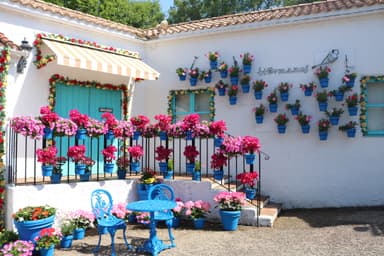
196,175
234,80
323,135
48,133
281,128
80,168
334,120
308,92
221,91
218,141
352,111
250,158
305,128
189,135
350,83
163,135
245,88
218,174
208,79
193,81
163,166
56,178
136,135
247,68
108,167
339,96
294,111
232,100
121,173
81,134
250,193
85,176
182,77
135,166
258,95
213,64
223,73
190,168
273,108
284,96
47,170
259,119
351,133
110,135
324,82
323,106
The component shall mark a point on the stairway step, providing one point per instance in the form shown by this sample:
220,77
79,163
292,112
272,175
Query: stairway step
268,214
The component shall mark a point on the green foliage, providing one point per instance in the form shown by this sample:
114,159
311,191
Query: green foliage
7,237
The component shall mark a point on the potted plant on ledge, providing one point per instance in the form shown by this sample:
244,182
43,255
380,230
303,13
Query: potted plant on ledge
232,93
47,156
136,152
249,180
221,87
218,161
230,204
162,155
197,211
109,156
308,88
190,152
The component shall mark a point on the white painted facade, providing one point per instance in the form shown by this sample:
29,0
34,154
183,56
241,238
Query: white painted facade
303,171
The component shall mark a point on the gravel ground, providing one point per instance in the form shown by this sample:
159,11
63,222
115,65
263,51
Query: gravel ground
341,231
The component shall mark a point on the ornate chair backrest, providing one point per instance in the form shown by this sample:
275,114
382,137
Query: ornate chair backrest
161,192
101,201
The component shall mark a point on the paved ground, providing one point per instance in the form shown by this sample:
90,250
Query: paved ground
344,231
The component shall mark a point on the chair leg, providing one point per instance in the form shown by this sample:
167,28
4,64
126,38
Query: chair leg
125,238
112,232
98,244
169,226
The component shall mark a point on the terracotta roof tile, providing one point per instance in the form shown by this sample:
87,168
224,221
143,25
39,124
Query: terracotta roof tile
222,21
4,41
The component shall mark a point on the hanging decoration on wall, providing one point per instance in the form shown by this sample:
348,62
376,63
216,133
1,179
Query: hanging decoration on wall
56,78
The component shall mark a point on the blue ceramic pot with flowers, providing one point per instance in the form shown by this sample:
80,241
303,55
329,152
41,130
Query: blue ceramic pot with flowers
232,100
308,92
339,96
218,174
352,111
221,91
305,128
213,64
234,80
258,95
284,96
273,107
324,82
182,77
334,120
48,133
351,133
199,223
323,135
323,106
259,119
223,73
230,219
247,68
250,193
245,88
193,81
47,170
281,128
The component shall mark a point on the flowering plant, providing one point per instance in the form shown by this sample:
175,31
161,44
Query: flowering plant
89,162
245,79
232,146
220,84
65,127
284,87
213,56
234,70
76,153
260,110
202,129
143,217
303,119
259,85
164,121
47,156
233,90
223,66
28,126
67,227
120,211
79,119
194,72
181,71
123,129
217,128
139,122
178,210
309,86
322,97
296,105
18,248
148,177
349,77
81,218
322,72
230,201
324,125
341,89
334,112
281,119
95,128
347,126
205,74
218,160
190,122
247,58
272,97
352,100
248,178
136,152
34,213
122,162
190,152
162,153
197,209
109,153
110,120
47,237
48,118
250,144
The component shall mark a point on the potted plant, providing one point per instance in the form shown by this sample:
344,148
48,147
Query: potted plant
218,161
244,81
163,124
81,120
206,76
350,128
77,155
136,152
295,107
48,119
281,121
95,128
109,156
182,73
339,93
232,93
234,72
47,156
120,211
250,145
82,220
284,90
259,113
8,236
334,115
352,101
221,87
247,60
139,123
197,211
349,79
17,247
47,240
193,76
148,178
308,88
223,69
28,127
143,218
212,57
162,155
217,131
272,99
323,125
304,121
190,152
177,212
248,179
122,163
110,123
322,99
258,87
65,127
322,74
31,219
230,204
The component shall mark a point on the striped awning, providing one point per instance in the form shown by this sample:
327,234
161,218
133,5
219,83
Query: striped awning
83,57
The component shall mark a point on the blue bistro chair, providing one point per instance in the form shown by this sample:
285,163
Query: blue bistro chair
101,201
163,192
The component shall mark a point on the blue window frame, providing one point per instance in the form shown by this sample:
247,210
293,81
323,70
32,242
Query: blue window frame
185,102
372,106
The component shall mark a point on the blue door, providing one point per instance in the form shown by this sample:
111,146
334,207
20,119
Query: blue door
93,102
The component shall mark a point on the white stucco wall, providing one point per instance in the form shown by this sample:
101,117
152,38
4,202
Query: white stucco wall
302,171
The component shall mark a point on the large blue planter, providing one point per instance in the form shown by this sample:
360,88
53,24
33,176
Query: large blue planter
199,223
334,120
232,100
66,241
78,234
234,80
258,95
281,128
46,170
218,174
193,81
250,158
323,106
29,230
245,88
352,111
259,119
230,219
305,128
324,82
224,73
273,107
284,96
250,193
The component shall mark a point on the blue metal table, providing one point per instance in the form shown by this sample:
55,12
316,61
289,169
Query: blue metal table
153,244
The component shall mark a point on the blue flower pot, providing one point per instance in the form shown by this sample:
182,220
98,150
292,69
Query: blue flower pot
189,135
199,223
132,218
85,176
351,133
324,82
308,92
273,108
29,230
281,128
190,168
163,166
250,193
258,95
108,167
218,141
234,80
350,83
176,222
81,134
334,120
47,170
56,178
284,96
168,175
121,174
110,135
48,133
208,79
196,176
213,64
323,106
305,128
247,68
232,100
245,88
80,169
250,158
218,174
294,111
193,81
136,135
352,111
163,135
182,77
66,241
224,73
221,91
135,166
259,119
230,219
47,251
78,234
339,96
323,135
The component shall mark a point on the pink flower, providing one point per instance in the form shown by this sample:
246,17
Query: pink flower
109,153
